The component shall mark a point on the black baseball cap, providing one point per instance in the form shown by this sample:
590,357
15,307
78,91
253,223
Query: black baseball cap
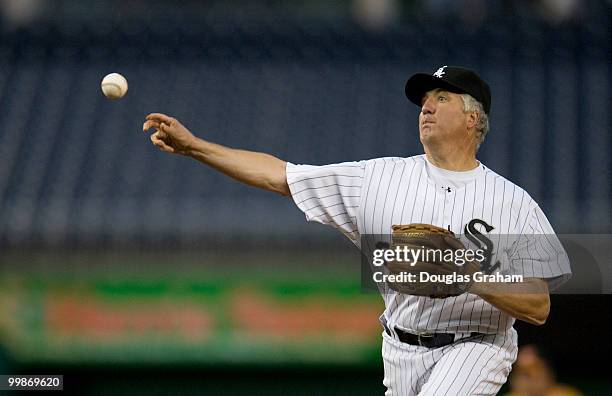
453,79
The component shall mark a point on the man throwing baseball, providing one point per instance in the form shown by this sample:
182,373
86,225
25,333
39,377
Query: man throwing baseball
454,343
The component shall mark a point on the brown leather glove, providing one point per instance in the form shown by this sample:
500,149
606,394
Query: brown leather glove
438,258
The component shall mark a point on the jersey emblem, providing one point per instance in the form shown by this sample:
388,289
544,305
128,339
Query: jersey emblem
484,243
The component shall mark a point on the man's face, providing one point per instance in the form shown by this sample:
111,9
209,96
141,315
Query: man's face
442,117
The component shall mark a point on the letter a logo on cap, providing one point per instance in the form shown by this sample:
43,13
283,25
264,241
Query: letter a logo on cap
440,72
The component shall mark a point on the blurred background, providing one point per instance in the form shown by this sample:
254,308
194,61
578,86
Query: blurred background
131,271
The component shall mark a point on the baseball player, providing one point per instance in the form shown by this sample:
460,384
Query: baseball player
460,345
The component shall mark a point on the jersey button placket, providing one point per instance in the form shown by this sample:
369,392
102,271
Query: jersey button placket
447,205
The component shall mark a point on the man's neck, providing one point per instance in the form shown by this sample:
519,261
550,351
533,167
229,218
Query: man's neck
456,161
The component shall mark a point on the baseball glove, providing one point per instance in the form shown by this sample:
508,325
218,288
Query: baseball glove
432,251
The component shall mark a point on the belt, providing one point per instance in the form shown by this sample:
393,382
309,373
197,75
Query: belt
435,340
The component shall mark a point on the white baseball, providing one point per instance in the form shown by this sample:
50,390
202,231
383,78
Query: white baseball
114,86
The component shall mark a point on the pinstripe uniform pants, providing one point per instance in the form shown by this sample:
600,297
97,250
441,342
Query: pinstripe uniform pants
473,366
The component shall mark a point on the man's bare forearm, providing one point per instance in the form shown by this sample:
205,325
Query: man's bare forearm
529,302
253,168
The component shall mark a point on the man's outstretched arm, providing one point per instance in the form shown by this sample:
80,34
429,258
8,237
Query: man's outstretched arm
252,168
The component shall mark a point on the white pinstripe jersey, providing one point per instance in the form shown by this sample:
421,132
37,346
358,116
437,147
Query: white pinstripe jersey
368,197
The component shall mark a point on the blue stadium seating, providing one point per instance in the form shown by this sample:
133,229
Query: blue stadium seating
76,167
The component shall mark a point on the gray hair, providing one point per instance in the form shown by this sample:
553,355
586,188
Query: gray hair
482,127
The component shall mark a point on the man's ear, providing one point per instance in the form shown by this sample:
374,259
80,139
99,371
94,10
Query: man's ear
472,119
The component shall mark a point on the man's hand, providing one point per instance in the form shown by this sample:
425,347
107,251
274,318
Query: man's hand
170,135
